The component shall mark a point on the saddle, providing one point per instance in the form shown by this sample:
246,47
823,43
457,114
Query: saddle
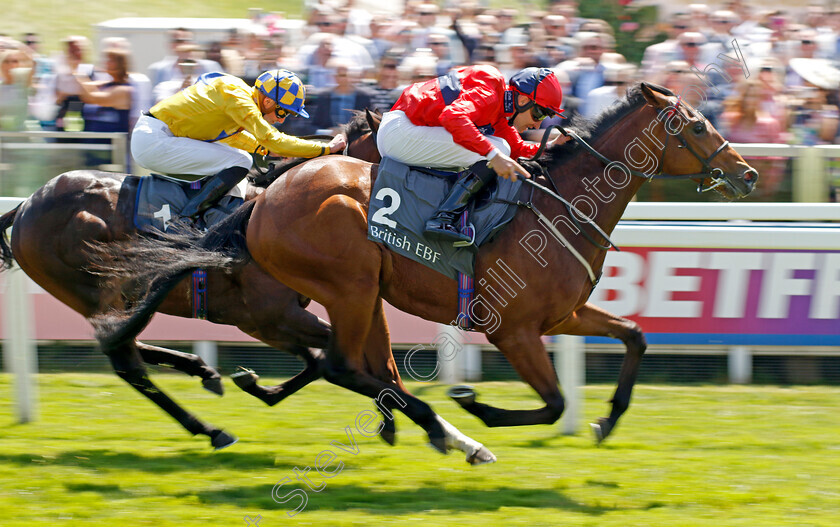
404,197
160,198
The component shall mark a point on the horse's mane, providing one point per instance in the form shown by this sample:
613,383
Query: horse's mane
357,126
354,129
591,129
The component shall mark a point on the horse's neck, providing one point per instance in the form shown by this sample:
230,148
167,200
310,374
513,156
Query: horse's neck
587,184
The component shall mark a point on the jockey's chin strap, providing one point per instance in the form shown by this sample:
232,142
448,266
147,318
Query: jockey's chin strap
519,108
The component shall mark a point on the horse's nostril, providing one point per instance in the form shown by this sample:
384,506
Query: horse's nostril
750,175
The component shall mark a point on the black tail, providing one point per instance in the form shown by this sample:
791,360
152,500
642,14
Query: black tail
7,259
155,264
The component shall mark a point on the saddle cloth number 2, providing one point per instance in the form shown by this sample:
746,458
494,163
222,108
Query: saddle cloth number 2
381,215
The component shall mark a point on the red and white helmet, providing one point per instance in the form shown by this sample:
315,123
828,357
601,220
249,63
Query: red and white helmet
541,86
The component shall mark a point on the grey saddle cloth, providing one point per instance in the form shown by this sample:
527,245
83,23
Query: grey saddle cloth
161,198
403,199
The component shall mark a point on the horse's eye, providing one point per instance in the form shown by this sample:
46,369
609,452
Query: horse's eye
699,128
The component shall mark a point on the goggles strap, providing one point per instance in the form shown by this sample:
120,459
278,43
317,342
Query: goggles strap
519,108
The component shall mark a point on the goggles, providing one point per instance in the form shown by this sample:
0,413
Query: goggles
539,113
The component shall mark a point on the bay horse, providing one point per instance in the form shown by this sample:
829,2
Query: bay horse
52,232
309,230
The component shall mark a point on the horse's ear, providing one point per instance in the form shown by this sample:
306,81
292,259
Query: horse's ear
373,122
653,95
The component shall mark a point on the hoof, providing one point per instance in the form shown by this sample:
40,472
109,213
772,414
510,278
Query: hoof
389,432
600,429
214,385
481,456
597,432
221,439
462,394
245,378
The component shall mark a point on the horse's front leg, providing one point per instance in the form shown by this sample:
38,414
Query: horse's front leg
526,353
246,379
184,362
590,320
269,311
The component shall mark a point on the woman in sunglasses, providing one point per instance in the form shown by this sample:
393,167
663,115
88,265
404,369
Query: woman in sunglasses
469,117
213,126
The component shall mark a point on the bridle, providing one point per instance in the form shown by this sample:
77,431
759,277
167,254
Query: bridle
715,174
709,172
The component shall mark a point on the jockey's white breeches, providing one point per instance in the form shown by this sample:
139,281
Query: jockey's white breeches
426,146
154,146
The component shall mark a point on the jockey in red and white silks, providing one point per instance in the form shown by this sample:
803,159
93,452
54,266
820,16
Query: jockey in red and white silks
469,117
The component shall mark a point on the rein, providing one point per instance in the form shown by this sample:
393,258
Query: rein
708,171
573,213
273,170
715,174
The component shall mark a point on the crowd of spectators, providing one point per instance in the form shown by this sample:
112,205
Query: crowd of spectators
779,83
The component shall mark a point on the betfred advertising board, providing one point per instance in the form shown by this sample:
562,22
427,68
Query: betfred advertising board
727,284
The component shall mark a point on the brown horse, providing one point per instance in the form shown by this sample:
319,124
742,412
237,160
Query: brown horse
309,230
53,229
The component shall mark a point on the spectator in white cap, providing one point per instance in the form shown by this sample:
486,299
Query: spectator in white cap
167,68
617,77
690,49
815,114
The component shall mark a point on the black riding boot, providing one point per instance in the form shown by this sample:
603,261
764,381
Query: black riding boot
213,189
442,226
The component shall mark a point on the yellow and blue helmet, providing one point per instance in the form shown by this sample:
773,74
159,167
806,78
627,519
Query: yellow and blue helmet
285,89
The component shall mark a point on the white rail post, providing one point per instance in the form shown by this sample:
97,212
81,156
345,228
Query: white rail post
18,347
570,363
450,354
809,181
472,362
740,365
208,350
118,152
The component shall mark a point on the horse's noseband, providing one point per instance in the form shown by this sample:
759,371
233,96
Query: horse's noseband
715,174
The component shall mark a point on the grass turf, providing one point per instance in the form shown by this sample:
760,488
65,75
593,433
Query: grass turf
100,454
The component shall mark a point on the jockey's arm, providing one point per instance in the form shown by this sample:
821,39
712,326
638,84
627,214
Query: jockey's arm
257,134
335,146
245,141
506,167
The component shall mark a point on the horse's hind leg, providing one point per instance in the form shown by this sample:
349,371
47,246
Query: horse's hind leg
526,353
345,364
247,379
128,365
340,269
184,362
590,320
379,361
